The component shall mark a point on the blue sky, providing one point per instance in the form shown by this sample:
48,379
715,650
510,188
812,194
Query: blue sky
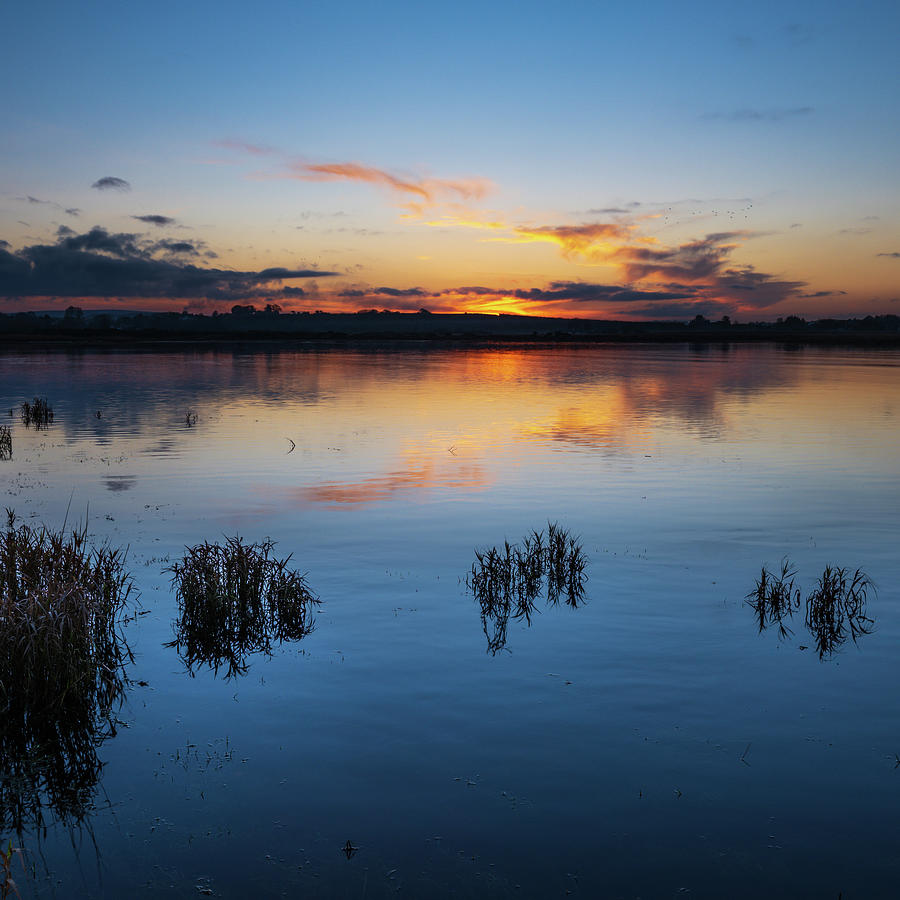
780,121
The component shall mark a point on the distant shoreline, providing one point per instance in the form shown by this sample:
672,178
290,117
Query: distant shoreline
138,330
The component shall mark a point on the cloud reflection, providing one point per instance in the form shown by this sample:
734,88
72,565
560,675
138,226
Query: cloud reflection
118,483
419,474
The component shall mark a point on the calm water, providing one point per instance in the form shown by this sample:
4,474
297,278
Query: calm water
648,744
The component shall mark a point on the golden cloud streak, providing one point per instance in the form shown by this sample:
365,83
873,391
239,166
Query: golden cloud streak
467,221
429,190
593,241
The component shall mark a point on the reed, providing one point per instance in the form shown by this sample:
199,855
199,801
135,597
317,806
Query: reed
836,608
507,581
235,599
62,658
775,598
5,442
37,414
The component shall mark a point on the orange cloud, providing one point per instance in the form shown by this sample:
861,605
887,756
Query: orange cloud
596,240
467,220
599,240
429,190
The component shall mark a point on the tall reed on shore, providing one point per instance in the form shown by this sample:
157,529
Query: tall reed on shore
62,659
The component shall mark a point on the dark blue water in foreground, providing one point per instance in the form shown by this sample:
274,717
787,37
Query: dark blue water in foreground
651,743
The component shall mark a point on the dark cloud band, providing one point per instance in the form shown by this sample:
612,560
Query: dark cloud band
154,219
111,183
101,264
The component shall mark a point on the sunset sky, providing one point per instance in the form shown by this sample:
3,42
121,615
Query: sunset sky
652,161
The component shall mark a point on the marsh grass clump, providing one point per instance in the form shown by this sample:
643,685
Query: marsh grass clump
507,581
5,442
37,414
775,598
836,608
62,659
235,599
565,566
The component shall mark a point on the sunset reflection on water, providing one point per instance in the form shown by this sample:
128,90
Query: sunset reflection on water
375,427
680,471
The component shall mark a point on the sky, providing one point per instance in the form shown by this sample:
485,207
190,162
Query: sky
643,161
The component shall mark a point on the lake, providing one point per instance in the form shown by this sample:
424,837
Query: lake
651,741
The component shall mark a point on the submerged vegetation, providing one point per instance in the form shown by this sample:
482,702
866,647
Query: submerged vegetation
5,442
235,599
835,609
775,598
62,658
508,581
37,414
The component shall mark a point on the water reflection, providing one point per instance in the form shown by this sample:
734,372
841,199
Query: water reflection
117,483
394,415
605,426
63,661
800,469
417,474
775,598
37,414
835,609
627,395
51,764
234,600
116,393
507,582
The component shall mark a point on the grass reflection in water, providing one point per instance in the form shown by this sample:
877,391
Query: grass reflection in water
235,599
508,581
37,414
775,598
835,608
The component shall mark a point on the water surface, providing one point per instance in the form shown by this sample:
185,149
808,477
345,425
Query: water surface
648,743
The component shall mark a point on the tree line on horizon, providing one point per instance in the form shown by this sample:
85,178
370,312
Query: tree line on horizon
271,317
